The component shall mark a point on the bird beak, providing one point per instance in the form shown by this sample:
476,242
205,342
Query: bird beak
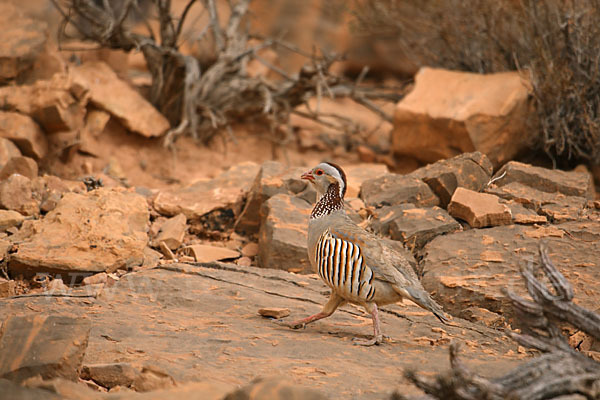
308,176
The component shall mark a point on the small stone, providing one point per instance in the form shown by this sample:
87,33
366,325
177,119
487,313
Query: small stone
274,312
102,277
206,253
393,189
16,194
522,215
7,288
57,285
20,165
110,93
25,133
152,378
166,251
250,249
8,150
478,314
110,375
478,209
172,231
10,218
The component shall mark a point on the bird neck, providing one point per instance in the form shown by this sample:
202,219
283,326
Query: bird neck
329,202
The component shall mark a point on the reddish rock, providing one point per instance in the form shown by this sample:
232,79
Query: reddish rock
19,165
98,231
283,234
473,268
276,389
357,174
250,249
108,92
522,215
470,170
16,194
274,312
46,345
225,192
7,288
571,183
95,279
481,315
416,226
49,190
448,113
393,189
21,40
25,133
207,253
272,178
8,150
9,218
172,231
152,378
110,375
479,210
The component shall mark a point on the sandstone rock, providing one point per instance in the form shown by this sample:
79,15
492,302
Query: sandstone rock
95,123
110,375
244,261
250,249
152,378
25,133
8,150
98,231
207,253
275,389
108,92
413,226
357,174
95,279
272,178
393,189
16,194
472,268
19,165
555,205
448,113
572,183
274,312
225,192
9,218
21,39
7,288
172,231
470,170
49,190
522,215
13,390
478,314
479,210
282,237
46,345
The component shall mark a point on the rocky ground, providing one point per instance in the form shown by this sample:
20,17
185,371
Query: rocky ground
129,271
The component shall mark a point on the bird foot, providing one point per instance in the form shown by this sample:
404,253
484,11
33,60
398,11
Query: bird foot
297,325
377,340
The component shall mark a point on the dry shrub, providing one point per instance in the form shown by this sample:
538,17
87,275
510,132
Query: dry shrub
555,42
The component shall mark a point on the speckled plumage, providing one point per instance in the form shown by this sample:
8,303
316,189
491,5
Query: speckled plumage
359,267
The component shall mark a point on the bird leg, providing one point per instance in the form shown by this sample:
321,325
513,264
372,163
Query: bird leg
332,304
377,336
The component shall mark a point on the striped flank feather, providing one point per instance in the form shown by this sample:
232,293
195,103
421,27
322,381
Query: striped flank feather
341,266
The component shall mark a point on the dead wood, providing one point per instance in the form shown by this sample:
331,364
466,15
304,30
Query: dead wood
202,101
559,371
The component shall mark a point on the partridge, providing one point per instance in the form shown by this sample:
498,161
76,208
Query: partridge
359,267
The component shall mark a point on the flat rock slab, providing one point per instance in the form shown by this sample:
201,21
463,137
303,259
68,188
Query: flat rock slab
471,268
283,234
568,183
479,210
16,193
414,226
21,40
200,323
226,191
110,93
392,189
25,133
469,170
97,231
452,112
46,345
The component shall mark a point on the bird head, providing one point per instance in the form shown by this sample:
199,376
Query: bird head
324,175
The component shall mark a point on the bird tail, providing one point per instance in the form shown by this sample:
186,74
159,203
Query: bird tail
423,299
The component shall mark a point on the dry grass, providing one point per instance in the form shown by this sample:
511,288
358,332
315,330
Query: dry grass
557,42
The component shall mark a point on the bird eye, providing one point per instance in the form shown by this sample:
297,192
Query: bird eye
319,172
